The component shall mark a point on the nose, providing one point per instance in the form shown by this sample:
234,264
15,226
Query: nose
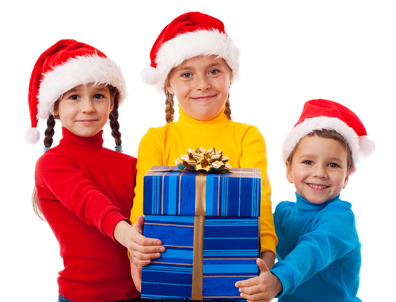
202,83
87,105
320,171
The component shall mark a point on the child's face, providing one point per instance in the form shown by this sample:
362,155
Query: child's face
201,85
85,109
318,169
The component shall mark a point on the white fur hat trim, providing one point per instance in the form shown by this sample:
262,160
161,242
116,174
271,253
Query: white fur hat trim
77,71
185,46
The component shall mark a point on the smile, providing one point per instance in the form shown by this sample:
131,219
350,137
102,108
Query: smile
203,98
317,186
86,121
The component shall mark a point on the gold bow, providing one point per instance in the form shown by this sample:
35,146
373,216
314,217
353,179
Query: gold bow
203,160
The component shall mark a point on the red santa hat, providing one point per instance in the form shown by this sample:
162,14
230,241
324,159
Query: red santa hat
189,35
323,114
61,67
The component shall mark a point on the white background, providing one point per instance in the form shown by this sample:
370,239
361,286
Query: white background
291,52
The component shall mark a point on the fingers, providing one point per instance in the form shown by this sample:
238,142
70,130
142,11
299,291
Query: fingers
139,224
136,273
141,248
262,266
259,297
253,290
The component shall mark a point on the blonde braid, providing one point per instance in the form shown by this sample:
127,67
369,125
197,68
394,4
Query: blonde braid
227,109
169,111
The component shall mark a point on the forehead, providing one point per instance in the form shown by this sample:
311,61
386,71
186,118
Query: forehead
95,86
320,146
201,61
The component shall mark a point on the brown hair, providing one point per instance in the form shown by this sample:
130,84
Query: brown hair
49,134
325,133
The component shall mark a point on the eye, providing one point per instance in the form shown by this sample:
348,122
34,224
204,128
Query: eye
307,162
74,97
214,71
98,96
186,75
333,165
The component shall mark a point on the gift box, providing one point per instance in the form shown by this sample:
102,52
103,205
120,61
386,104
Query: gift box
209,225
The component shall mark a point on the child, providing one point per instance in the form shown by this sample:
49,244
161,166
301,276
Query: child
84,191
194,60
319,249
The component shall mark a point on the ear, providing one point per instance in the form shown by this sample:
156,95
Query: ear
346,179
168,87
289,175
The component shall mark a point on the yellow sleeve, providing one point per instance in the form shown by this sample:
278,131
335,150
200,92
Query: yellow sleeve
149,154
254,155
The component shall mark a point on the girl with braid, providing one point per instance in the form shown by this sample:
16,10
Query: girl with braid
83,190
194,60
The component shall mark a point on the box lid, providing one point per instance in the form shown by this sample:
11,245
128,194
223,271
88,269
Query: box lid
170,191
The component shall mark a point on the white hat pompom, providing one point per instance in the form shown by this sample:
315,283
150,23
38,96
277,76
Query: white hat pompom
367,146
150,75
31,135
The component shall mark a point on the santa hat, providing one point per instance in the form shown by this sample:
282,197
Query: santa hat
189,35
61,67
323,114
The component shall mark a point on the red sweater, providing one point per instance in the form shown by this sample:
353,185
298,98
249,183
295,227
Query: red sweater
84,190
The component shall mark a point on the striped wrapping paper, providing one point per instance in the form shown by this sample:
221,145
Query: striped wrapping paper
229,229
169,191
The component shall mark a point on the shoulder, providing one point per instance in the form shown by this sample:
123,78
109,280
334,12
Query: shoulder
338,209
245,127
53,156
284,207
158,132
338,218
248,133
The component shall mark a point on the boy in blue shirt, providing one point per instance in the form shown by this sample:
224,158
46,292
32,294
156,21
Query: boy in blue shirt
319,250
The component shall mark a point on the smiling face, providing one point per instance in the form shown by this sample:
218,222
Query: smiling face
318,169
85,109
201,85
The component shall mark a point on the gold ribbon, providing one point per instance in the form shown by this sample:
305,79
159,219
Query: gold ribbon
199,226
203,160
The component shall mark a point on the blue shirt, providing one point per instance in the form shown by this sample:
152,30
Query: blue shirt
318,251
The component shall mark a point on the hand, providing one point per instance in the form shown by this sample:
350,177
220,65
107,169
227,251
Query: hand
141,249
261,288
136,273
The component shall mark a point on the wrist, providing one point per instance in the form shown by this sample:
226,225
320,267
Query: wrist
121,232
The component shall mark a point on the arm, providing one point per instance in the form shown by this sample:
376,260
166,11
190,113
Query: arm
59,178
333,236
254,155
142,249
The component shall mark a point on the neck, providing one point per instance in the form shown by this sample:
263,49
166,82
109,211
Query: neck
220,119
69,137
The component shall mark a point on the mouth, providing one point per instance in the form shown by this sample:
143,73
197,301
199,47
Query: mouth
319,187
203,98
86,121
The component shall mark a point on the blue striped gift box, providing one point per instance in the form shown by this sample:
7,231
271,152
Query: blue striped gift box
231,246
229,229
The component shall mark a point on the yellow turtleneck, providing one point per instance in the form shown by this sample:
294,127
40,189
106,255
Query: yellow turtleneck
244,144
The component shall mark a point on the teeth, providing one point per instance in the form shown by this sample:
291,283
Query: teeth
317,187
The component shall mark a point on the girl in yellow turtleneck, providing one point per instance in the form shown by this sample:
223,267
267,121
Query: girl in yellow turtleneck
201,85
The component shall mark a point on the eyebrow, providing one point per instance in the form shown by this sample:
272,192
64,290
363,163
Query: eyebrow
179,68
76,89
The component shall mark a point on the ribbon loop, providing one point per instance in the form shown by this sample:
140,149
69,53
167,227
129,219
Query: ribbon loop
203,160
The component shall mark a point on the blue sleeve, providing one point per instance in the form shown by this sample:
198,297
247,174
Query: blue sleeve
332,235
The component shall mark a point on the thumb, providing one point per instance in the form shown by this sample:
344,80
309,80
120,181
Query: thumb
139,224
262,266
